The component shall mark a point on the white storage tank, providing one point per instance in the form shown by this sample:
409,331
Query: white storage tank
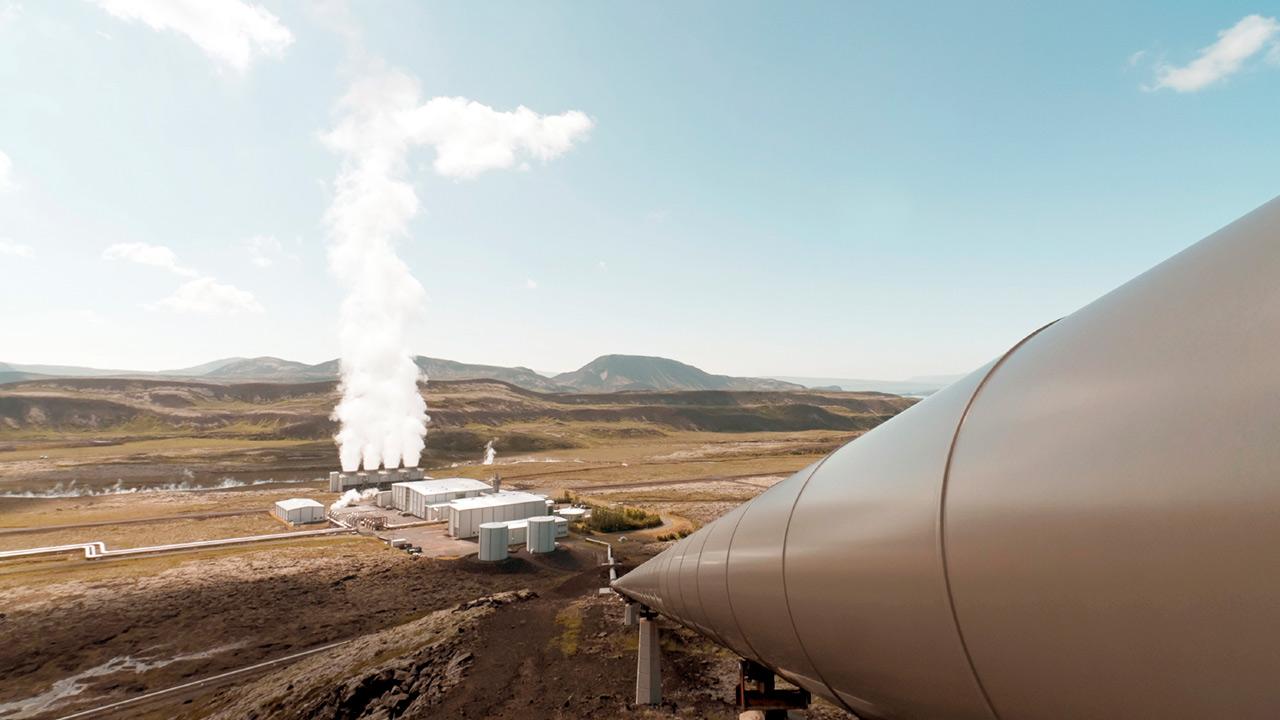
298,511
572,514
541,537
493,541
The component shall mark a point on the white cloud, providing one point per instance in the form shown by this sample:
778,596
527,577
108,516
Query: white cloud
145,254
385,116
6,173
265,251
207,296
10,11
604,266
530,284
1222,59
233,33
1136,58
14,249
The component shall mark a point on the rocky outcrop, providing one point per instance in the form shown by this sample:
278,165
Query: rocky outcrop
401,672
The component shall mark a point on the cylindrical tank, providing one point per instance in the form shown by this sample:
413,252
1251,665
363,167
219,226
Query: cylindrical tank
572,514
493,541
541,536
1084,528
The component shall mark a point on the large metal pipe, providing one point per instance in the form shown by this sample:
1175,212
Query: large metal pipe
1087,527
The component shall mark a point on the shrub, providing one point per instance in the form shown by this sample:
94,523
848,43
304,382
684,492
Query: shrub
621,519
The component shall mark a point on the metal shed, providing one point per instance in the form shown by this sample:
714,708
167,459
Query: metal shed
298,511
467,514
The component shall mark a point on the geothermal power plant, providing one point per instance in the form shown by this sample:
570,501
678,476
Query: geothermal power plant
1085,527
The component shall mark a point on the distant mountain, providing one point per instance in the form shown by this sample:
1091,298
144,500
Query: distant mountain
609,373
202,369
437,369
269,369
67,370
916,386
8,374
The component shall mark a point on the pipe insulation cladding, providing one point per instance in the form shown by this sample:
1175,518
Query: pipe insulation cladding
1086,527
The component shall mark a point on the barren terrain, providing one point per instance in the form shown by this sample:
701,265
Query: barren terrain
141,463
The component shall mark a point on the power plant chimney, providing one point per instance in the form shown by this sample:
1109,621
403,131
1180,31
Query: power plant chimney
1086,527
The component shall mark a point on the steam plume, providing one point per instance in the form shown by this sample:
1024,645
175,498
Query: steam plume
489,453
381,118
352,497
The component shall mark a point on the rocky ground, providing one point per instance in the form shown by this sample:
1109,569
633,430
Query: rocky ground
531,637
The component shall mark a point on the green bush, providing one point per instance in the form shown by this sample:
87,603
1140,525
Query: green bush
621,519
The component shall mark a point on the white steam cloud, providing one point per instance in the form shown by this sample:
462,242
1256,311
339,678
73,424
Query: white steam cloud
382,117
353,496
489,453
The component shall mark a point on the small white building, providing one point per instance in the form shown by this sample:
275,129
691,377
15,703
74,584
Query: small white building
418,496
298,511
466,515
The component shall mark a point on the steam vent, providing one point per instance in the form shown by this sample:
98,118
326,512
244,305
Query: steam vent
1085,527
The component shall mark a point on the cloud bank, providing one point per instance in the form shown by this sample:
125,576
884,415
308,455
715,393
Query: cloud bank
1224,58
232,33
206,296
147,254
203,295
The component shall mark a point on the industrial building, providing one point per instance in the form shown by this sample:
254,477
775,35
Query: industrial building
298,511
467,514
428,499
340,481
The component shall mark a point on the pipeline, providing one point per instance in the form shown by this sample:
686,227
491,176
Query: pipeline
1085,527
97,549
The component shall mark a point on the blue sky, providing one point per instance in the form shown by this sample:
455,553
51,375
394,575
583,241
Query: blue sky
822,189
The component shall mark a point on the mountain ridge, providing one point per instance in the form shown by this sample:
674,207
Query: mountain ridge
607,373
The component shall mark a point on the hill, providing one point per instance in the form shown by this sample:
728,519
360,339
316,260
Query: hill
916,386
113,409
609,373
270,369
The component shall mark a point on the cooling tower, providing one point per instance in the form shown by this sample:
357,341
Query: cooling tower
1086,527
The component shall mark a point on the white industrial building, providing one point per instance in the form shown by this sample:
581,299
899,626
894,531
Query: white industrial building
339,481
298,511
428,498
466,515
